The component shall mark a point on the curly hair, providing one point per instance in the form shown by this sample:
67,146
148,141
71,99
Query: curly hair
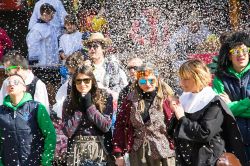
235,39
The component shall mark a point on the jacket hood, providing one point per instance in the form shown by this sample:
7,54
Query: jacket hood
7,102
241,74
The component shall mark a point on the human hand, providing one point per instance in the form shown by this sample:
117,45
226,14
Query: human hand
119,161
86,101
177,108
173,98
225,98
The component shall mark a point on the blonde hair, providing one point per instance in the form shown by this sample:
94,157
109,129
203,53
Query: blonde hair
197,70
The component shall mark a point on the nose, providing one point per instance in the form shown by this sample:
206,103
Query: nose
82,83
147,83
241,53
91,48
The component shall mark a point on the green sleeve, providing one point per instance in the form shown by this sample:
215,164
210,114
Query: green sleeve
240,108
49,134
218,86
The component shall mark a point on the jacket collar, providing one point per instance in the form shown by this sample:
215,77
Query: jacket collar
7,102
241,74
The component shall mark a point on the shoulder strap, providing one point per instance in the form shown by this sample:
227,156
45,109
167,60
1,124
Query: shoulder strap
31,88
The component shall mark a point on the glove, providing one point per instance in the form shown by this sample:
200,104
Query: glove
86,102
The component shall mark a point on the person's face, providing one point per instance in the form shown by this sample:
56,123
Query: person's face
15,86
189,85
83,83
95,51
70,27
148,83
132,67
239,56
10,70
47,17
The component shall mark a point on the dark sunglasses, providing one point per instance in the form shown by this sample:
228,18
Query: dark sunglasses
85,81
94,45
132,67
144,81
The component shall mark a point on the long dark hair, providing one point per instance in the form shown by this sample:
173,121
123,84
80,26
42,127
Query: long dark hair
98,96
235,39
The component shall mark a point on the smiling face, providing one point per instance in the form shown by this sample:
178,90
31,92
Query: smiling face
239,56
83,83
15,85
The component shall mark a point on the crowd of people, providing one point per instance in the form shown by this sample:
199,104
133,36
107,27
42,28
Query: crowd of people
107,116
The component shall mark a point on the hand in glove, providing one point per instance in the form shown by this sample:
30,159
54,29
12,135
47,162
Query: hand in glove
86,102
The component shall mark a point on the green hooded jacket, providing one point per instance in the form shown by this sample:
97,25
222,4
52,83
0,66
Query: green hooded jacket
239,108
45,124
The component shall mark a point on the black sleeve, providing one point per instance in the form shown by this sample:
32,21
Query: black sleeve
205,129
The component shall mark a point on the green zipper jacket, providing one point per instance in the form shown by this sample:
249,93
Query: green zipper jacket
239,108
45,124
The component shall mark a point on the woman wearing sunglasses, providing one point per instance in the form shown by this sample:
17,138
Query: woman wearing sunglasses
232,81
87,114
140,128
203,127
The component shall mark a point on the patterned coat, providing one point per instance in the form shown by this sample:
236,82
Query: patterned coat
128,125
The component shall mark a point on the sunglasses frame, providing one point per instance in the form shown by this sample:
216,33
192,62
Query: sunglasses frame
85,81
144,81
11,67
15,83
94,45
232,51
